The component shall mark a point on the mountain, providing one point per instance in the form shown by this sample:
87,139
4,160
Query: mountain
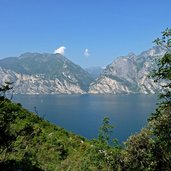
35,73
95,72
129,74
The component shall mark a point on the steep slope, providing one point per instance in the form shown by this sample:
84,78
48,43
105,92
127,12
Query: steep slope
36,144
37,84
146,63
129,74
35,73
44,73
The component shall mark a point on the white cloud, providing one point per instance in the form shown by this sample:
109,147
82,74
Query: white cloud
86,52
60,50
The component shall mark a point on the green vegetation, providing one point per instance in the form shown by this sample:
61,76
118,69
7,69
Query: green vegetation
151,148
27,142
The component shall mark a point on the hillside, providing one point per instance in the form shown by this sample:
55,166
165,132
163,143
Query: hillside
129,74
27,142
35,73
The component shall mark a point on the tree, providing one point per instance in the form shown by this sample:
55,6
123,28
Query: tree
105,131
151,148
160,121
5,88
164,66
7,116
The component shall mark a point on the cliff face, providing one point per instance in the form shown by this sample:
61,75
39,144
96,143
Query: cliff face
34,73
129,74
37,84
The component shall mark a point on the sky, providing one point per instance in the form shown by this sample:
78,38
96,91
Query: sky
88,32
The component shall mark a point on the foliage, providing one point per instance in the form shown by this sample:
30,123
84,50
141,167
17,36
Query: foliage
151,148
100,156
105,131
103,154
31,143
160,121
5,88
6,118
165,41
164,66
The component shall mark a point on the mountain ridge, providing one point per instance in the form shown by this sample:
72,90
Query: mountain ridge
44,73
49,71
129,74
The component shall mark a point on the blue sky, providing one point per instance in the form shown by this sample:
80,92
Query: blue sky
93,32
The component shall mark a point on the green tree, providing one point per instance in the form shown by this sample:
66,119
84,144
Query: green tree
102,154
5,88
7,116
164,66
105,131
151,148
160,121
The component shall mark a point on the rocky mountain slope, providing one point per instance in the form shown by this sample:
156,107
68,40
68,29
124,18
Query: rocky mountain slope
129,74
35,73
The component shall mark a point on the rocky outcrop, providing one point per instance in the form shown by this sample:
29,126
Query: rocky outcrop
129,74
35,73
105,85
37,84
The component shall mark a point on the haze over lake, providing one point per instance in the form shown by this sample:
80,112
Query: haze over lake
83,114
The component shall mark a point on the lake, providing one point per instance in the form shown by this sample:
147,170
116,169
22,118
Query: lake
83,114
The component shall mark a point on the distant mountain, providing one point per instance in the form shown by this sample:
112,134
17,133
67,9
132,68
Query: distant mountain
95,72
129,74
36,73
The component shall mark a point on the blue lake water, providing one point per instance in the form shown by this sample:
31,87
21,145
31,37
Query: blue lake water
83,114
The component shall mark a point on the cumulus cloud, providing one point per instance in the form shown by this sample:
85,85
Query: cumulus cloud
60,50
86,52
